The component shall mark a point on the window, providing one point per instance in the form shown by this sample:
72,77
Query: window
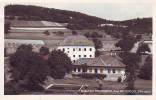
90,55
90,49
63,49
95,71
84,55
113,70
79,69
73,49
84,49
79,49
108,70
84,70
79,55
68,51
73,55
74,61
74,69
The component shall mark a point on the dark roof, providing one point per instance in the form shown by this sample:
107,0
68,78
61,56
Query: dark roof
101,61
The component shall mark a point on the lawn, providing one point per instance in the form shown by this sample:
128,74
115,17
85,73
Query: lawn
144,85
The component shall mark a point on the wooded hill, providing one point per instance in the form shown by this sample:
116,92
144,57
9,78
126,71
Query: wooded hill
77,20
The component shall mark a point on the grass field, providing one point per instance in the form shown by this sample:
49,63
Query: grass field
139,83
144,85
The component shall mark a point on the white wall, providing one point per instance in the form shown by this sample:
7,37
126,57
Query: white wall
70,52
119,72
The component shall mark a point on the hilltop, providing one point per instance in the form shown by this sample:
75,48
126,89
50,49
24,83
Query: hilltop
78,20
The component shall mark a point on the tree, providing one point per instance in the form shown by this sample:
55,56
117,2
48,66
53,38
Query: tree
44,51
60,33
58,72
46,32
96,35
146,70
74,33
98,44
28,69
143,48
59,64
138,37
87,34
7,27
129,59
126,43
25,48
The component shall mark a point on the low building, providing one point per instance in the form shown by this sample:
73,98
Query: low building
110,66
11,45
77,46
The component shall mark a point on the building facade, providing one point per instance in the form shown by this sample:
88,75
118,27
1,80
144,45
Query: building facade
110,66
77,46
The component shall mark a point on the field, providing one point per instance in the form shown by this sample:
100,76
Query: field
108,88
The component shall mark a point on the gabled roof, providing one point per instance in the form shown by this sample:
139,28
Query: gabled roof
101,61
76,40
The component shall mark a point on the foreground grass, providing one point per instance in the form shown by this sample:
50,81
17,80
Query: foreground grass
144,85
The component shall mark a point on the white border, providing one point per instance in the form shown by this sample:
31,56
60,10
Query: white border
68,97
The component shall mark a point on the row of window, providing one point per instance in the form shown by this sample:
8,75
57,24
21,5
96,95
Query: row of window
83,56
96,70
79,49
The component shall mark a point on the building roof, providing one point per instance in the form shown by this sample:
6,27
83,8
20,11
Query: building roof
21,41
22,23
76,40
101,61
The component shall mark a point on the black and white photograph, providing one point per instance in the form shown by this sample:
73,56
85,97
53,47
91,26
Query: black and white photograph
78,48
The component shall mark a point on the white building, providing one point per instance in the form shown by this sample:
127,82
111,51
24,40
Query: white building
107,65
11,45
77,46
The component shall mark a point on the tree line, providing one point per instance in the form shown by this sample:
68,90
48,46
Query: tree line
77,20
30,69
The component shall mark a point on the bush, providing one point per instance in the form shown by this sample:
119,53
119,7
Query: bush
146,70
60,33
91,76
28,68
119,79
58,72
46,32
59,64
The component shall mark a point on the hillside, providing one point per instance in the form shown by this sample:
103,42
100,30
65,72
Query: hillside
77,20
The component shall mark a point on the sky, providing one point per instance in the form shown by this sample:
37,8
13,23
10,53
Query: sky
109,11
